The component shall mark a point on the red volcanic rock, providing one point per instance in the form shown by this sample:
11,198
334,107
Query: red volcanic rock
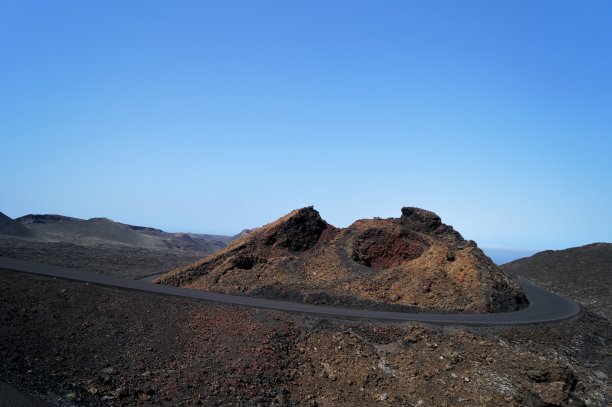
382,250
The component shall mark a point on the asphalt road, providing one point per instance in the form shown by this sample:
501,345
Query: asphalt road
12,397
544,306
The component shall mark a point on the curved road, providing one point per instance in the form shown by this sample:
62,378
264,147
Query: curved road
544,306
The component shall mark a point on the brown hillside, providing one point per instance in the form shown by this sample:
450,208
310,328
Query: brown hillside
414,261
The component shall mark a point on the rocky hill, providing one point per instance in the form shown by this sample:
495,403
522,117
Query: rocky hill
582,273
411,261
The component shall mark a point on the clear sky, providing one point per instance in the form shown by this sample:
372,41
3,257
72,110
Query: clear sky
215,116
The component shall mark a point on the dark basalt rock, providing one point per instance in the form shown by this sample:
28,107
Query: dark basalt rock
419,219
427,222
298,233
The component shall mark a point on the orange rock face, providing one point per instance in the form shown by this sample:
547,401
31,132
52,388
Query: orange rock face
413,261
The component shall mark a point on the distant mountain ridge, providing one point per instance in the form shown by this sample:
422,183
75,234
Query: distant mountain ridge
103,231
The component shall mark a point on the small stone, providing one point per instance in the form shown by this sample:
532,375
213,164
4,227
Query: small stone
601,375
552,393
382,397
536,375
109,370
120,392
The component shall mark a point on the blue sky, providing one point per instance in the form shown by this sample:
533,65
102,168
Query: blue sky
215,116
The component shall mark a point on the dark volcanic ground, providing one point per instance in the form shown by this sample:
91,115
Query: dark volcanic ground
74,343
124,261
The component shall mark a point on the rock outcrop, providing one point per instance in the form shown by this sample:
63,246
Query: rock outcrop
411,261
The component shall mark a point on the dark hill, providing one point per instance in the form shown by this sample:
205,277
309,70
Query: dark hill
11,227
582,273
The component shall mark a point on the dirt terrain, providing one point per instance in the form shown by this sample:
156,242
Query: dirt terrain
119,260
409,261
581,273
78,344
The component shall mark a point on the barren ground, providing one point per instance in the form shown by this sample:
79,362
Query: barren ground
124,261
102,346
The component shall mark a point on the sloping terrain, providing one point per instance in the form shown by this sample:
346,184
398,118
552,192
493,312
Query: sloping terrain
413,261
240,234
581,273
11,227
